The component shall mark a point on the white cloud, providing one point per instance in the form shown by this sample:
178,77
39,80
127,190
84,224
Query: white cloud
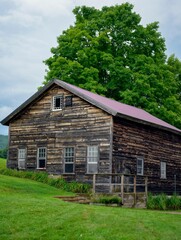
45,8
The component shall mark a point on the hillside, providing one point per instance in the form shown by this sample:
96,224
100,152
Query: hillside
3,141
29,210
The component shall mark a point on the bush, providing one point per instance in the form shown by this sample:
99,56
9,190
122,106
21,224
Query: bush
174,202
163,202
107,199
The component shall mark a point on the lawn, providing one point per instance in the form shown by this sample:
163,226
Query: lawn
28,210
2,163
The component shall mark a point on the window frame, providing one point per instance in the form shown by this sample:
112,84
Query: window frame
140,166
95,158
20,158
41,158
163,170
61,97
66,157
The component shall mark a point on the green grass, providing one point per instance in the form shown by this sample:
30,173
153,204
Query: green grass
2,163
28,210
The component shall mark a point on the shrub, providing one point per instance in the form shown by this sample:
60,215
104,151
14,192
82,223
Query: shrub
163,202
174,202
107,199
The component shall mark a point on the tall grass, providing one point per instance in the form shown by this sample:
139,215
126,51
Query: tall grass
163,202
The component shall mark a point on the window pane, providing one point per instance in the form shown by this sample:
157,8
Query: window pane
58,102
42,163
140,166
41,160
21,153
69,168
92,168
21,164
21,158
69,154
69,159
92,154
163,169
42,152
92,159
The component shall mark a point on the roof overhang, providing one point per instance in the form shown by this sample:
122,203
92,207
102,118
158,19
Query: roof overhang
146,123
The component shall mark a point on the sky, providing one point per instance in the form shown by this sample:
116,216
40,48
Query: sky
29,29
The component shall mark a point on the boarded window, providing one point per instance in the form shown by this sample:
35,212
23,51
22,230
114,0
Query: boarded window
140,166
68,101
69,160
163,169
58,102
21,158
92,159
41,158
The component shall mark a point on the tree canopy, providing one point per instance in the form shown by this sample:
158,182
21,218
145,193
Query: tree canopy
109,52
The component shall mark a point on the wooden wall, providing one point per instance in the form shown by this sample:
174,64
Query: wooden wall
133,140
77,126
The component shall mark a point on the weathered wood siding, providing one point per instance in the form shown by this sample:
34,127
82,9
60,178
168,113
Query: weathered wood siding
77,126
133,140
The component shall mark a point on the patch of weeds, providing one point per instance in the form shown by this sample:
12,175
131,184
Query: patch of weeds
106,199
163,202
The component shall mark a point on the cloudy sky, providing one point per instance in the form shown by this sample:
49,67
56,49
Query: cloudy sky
29,28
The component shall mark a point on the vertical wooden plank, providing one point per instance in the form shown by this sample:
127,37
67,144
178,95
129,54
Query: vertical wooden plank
122,188
146,186
134,190
94,183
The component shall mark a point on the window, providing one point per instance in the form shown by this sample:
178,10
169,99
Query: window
21,158
92,159
69,160
58,102
41,159
163,169
68,101
140,166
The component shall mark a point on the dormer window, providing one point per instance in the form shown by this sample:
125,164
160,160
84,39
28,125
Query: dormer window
58,102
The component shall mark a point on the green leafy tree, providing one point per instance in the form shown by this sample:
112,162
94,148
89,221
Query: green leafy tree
3,153
109,52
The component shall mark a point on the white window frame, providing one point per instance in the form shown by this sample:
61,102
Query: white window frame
39,158
21,158
69,155
92,157
163,170
140,167
61,97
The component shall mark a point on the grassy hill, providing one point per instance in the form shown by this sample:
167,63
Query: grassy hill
29,210
3,141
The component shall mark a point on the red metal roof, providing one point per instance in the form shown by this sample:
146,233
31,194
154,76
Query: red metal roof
121,108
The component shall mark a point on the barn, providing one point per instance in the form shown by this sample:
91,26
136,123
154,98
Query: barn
74,133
